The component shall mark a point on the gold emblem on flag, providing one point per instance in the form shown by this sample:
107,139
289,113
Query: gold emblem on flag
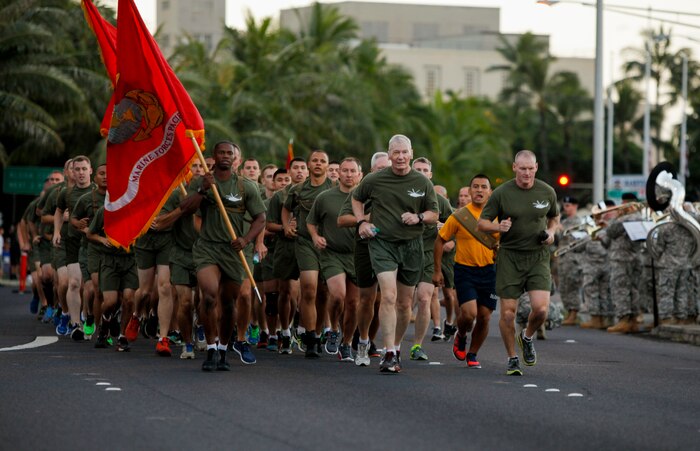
135,117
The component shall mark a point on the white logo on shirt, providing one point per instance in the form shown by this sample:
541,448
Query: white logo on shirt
414,193
540,204
233,198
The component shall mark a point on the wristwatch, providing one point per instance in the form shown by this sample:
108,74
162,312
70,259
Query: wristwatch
360,222
420,218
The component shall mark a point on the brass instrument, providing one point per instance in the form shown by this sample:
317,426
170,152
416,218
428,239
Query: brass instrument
623,209
588,226
669,192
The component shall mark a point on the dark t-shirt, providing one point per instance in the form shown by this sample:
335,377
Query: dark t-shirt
391,196
324,215
528,209
300,200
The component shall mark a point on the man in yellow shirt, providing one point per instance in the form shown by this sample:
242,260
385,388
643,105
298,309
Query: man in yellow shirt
475,274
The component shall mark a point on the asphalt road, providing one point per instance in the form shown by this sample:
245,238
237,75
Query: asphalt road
589,390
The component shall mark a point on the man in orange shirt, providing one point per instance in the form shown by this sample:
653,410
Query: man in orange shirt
475,274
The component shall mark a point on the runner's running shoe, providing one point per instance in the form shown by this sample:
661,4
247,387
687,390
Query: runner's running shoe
389,363
123,344
62,326
132,328
437,335
286,345
472,362
242,348
345,353
34,305
373,351
222,364
528,349
264,339
513,368
209,363
272,343
200,339
362,356
459,347
187,351
449,330
417,353
89,326
332,340
163,347
252,334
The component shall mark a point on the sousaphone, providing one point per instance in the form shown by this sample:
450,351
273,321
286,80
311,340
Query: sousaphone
664,191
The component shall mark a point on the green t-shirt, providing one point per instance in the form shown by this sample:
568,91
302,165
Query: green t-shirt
324,215
430,231
274,209
97,227
528,209
240,198
66,200
393,195
183,231
86,207
47,205
300,200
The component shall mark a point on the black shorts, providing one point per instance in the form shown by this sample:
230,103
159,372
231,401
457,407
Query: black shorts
363,266
475,282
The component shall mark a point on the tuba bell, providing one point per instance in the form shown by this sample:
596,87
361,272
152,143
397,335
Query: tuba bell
664,191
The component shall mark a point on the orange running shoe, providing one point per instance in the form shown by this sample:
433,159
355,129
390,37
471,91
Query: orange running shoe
163,347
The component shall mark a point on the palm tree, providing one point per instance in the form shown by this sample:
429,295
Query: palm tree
627,119
528,83
51,84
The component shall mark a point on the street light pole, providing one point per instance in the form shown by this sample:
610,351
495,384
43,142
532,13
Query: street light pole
683,170
598,153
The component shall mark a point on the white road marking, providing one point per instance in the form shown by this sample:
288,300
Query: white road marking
434,363
113,389
530,386
570,341
552,390
103,383
575,395
38,341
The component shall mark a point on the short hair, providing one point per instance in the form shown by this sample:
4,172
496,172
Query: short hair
67,163
354,160
230,143
424,161
317,151
525,154
268,167
296,159
334,162
279,171
399,138
376,156
478,176
251,159
80,158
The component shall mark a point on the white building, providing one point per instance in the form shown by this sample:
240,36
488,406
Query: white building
443,47
203,20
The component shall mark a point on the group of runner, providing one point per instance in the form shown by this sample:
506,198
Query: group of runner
336,256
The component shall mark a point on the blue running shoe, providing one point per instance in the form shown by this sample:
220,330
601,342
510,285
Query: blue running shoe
200,339
252,334
62,327
48,314
242,348
34,306
57,316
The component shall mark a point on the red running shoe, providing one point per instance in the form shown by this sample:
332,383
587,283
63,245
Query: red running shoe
132,329
163,347
459,347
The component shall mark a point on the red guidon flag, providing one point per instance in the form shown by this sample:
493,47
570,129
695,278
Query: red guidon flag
149,149
106,35
290,153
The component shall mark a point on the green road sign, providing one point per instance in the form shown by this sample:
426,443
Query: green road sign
25,179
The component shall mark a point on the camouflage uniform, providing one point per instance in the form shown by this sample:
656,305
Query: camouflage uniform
646,282
624,267
554,314
596,278
673,270
569,270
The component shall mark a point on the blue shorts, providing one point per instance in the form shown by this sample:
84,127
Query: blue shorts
475,282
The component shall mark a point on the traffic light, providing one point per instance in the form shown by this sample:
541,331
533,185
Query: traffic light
563,180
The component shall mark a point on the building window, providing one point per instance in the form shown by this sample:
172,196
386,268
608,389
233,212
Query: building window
433,80
423,31
208,42
165,5
471,81
164,40
375,29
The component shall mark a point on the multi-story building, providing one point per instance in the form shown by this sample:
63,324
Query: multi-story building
203,20
443,47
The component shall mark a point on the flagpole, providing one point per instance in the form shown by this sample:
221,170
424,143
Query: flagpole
227,220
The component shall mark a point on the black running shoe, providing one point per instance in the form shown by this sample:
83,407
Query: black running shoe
513,368
222,364
123,345
151,327
389,363
101,342
528,348
310,343
209,363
